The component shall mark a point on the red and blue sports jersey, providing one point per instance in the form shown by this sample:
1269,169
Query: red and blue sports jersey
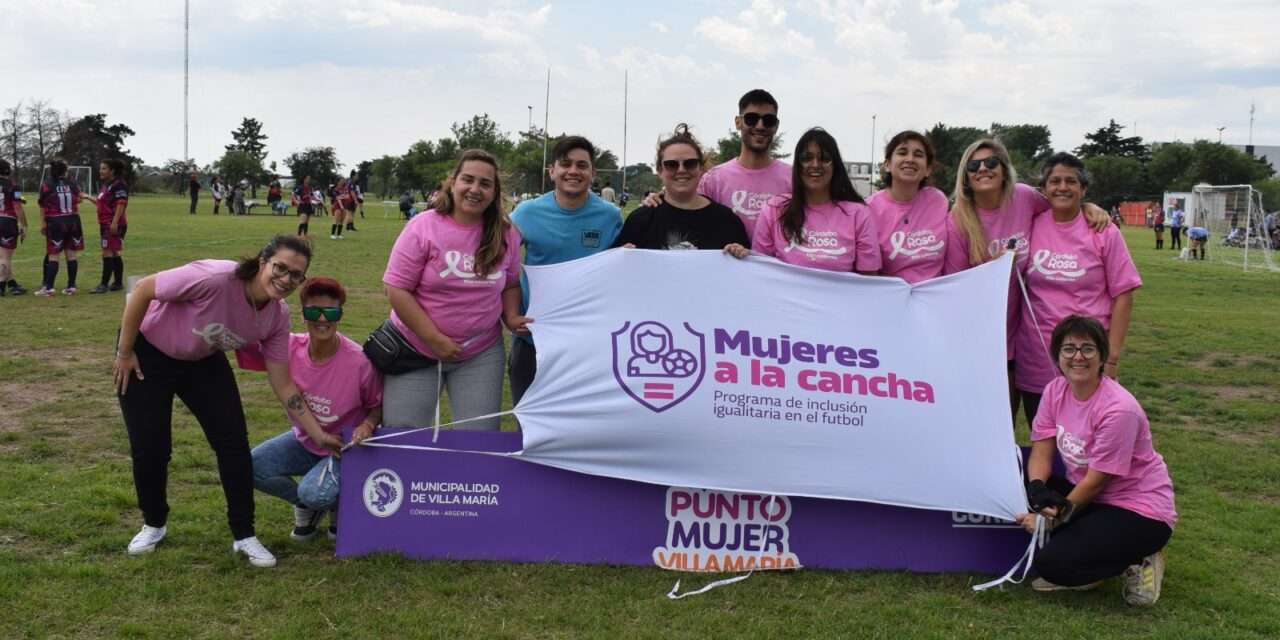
9,195
346,195
111,196
59,198
302,194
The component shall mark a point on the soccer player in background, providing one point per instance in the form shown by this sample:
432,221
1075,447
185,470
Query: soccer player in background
60,222
13,229
112,223
302,199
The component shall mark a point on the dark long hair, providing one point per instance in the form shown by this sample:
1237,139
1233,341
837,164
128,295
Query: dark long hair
249,266
842,190
493,239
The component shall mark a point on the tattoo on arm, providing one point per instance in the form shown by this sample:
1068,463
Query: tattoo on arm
294,403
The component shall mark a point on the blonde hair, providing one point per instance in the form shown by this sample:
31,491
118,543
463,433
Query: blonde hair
964,213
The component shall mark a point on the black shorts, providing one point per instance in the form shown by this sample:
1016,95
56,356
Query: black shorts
306,209
273,199
1159,228
65,234
8,232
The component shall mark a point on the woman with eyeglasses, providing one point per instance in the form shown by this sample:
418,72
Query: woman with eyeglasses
341,388
453,279
1071,271
910,215
176,325
1114,511
823,223
992,214
684,219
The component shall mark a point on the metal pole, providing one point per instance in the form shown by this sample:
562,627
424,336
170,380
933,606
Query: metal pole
530,118
873,147
624,132
186,79
546,119
1220,134
1252,106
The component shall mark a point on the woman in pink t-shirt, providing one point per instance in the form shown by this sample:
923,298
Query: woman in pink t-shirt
992,214
176,325
823,223
910,215
453,278
341,388
1072,271
1114,511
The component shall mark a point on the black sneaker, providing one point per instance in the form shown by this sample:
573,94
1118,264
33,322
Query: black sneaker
16,289
102,288
116,286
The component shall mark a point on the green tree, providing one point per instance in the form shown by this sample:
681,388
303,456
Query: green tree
90,140
949,144
1108,141
641,178
321,163
1170,167
250,139
481,132
1217,163
1028,146
1114,179
382,174
1270,189
236,165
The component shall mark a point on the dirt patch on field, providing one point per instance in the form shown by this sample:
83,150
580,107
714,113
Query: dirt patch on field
17,399
1242,392
1222,360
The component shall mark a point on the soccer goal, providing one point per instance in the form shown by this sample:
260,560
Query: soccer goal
1233,215
80,176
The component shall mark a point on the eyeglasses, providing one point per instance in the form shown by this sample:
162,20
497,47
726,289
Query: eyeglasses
332,314
280,270
1088,351
806,158
689,164
751,119
991,162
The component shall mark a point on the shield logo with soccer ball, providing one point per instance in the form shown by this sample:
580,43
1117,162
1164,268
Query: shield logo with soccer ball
656,366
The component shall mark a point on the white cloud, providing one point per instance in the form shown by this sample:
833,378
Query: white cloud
659,27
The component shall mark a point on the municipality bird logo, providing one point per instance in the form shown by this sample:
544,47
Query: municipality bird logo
656,366
383,492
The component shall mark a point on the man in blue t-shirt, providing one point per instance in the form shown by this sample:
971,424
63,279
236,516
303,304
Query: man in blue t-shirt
568,223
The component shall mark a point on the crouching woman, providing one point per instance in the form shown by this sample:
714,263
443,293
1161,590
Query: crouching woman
342,389
1114,511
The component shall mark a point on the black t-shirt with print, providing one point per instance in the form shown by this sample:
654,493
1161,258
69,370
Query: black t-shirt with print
668,227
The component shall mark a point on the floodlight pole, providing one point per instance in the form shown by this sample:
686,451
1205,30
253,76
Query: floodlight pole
624,131
873,148
186,79
1220,134
546,119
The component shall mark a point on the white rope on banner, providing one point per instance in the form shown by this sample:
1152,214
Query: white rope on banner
1038,540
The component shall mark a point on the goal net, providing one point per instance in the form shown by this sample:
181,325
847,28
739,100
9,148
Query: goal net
80,176
1234,217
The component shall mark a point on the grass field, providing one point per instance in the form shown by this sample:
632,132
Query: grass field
1203,358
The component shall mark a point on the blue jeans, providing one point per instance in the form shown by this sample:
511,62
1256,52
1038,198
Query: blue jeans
277,460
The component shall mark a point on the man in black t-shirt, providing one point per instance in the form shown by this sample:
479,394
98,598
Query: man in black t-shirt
193,187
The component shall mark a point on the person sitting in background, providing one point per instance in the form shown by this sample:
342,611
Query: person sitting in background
1113,513
342,388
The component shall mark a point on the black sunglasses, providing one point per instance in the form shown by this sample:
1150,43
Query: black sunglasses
751,119
991,163
332,314
689,164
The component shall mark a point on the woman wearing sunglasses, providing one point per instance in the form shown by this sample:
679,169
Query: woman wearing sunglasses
176,325
993,213
341,388
823,223
453,276
1114,511
1071,271
910,215
684,219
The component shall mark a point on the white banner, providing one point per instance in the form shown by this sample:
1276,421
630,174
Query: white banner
694,369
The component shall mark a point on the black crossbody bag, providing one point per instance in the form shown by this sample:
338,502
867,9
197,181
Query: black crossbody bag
391,354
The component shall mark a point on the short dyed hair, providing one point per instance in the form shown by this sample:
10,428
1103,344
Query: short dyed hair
322,286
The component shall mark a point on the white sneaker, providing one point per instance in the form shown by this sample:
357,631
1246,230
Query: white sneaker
306,523
333,237
258,554
45,292
1142,581
146,540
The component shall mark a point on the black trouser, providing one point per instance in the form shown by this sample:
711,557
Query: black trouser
1030,405
1177,238
522,365
208,388
195,195
1099,542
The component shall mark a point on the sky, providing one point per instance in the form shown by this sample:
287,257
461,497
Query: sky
370,77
